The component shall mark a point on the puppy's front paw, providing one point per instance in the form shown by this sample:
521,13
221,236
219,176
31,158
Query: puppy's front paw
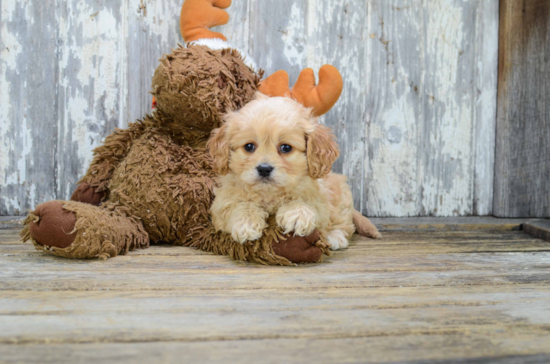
298,218
250,228
337,240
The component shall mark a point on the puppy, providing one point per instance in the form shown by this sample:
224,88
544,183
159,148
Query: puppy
274,158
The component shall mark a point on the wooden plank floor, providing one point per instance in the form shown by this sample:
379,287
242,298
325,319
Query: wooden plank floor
418,295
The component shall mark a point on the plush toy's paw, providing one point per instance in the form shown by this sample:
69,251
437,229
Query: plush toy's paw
87,194
299,249
297,217
248,228
337,240
52,225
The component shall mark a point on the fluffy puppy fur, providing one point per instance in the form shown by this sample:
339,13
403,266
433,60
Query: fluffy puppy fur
274,158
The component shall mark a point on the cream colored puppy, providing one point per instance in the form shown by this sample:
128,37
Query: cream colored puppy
274,158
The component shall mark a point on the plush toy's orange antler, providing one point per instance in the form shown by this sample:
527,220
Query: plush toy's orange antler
276,85
199,15
321,97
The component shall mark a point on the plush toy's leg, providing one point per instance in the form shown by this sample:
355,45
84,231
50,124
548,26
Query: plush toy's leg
78,230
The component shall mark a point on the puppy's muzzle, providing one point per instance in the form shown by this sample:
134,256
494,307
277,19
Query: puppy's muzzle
264,170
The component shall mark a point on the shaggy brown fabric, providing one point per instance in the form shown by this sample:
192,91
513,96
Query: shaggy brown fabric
108,156
87,194
156,177
195,86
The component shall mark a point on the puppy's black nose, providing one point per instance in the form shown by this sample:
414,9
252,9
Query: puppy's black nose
264,170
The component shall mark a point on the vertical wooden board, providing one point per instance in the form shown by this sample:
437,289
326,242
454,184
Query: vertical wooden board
421,104
237,29
28,99
91,56
278,35
153,30
485,62
415,121
522,164
448,102
337,35
393,108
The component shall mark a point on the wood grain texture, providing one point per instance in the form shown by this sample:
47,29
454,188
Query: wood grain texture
237,30
449,223
153,29
72,71
337,34
539,229
522,168
422,297
278,35
485,94
28,112
472,348
265,318
415,121
421,110
422,259
90,57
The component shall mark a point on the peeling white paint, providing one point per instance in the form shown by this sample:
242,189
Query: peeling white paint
8,61
90,82
10,53
487,26
76,114
416,126
153,29
11,50
391,192
423,76
451,132
292,38
123,115
157,22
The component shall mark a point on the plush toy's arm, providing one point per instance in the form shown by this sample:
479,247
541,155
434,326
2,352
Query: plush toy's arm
93,187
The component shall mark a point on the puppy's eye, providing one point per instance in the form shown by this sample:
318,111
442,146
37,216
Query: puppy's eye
285,148
249,147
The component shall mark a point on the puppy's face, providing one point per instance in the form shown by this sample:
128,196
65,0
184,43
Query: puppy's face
273,141
267,147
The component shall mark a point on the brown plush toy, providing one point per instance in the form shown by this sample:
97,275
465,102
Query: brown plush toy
153,182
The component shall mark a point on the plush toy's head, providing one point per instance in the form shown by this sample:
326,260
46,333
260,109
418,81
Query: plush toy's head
194,86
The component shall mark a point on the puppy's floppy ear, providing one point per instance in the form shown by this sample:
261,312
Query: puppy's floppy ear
322,150
218,146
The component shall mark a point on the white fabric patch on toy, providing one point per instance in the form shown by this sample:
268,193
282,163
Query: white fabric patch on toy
215,43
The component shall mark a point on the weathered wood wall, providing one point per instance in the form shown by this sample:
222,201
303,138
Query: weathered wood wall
71,71
522,178
416,120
